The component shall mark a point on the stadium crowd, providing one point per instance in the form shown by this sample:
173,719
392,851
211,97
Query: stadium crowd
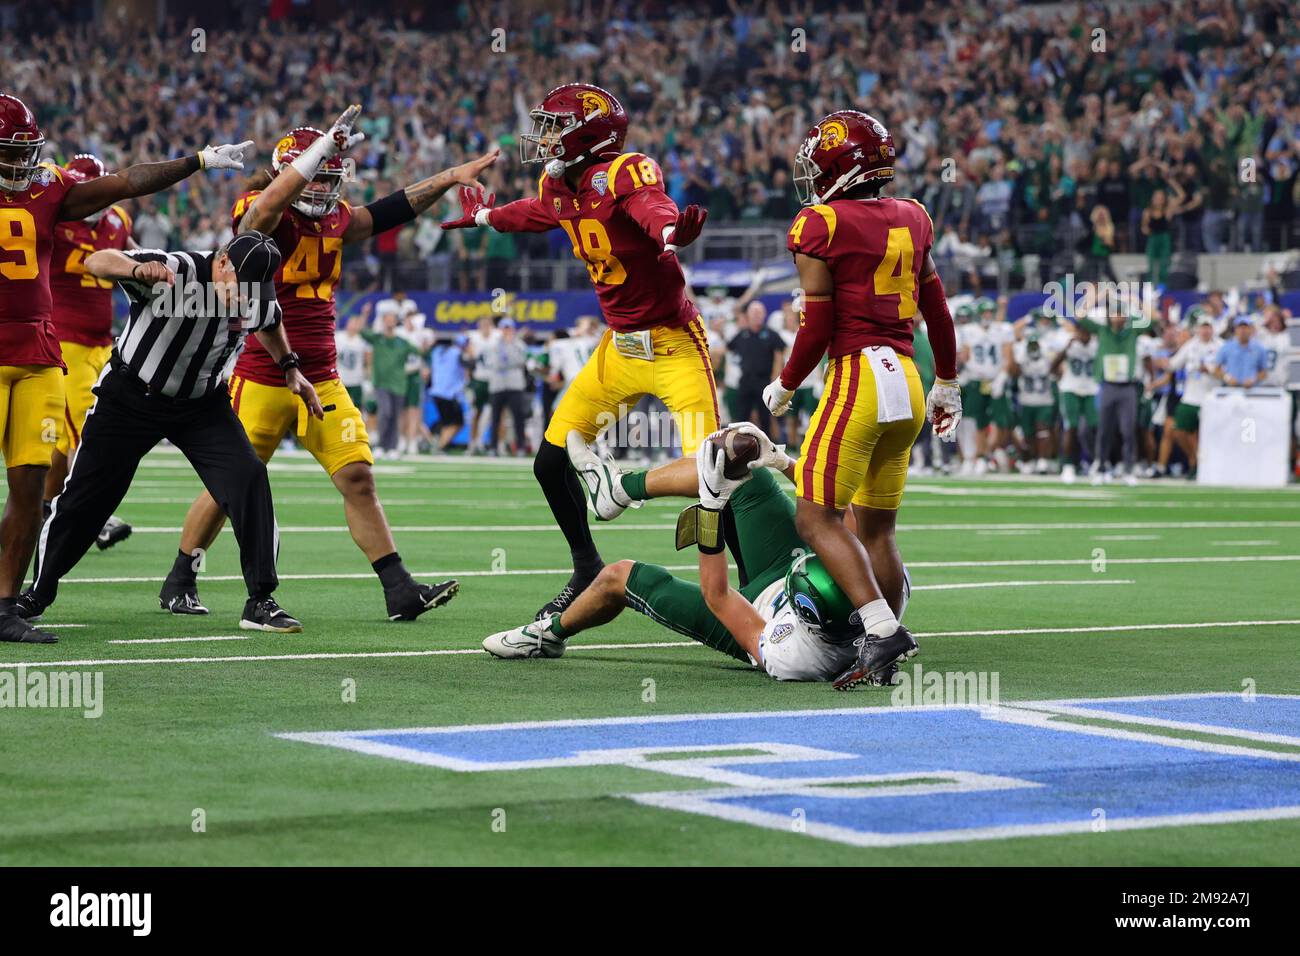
1145,127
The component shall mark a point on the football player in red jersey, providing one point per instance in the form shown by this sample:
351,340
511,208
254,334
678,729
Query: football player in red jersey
622,224
83,321
301,209
864,267
33,198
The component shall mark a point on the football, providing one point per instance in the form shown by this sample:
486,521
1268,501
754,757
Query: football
741,448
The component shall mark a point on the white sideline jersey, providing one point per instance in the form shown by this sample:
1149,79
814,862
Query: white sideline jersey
1076,370
1193,358
1277,344
985,346
1034,383
351,358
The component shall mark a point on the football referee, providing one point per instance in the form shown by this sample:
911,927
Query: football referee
190,315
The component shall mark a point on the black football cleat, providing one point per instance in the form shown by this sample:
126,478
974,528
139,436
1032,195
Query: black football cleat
180,599
408,601
577,583
263,614
27,607
14,630
875,655
114,530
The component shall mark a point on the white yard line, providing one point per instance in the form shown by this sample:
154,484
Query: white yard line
183,640
462,651
624,526
912,565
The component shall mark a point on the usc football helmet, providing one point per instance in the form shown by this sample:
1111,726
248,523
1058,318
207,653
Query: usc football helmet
573,122
82,169
321,195
21,142
846,149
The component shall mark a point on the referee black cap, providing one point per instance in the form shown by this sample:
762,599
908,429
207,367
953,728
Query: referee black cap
254,257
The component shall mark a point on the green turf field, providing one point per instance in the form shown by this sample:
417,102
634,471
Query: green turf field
1105,592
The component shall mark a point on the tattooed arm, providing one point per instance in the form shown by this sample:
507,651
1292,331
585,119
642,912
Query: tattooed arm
403,206
82,199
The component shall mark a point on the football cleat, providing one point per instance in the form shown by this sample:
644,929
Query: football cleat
180,599
535,639
875,654
600,475
114,530
568,594
14,630
408,601
263,614
27,607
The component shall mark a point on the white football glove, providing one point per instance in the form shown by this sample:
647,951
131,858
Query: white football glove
943,408
770,455
777,398
340,135
710,464
229,156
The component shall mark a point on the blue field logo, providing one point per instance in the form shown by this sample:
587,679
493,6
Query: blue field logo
891,776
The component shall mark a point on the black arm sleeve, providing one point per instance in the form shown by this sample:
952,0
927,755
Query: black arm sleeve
391,211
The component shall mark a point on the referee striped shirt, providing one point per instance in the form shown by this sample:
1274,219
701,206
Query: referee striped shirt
177,341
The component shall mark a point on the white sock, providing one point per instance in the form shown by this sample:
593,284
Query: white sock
878,619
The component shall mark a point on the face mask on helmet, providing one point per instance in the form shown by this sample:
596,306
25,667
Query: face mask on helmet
819,602
19,161
320,196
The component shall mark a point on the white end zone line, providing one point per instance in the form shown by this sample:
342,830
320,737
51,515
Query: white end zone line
461,651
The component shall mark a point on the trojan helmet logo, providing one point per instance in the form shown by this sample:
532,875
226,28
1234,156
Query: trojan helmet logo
283,146
593,104
834,133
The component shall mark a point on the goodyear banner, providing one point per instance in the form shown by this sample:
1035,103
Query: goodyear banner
462,310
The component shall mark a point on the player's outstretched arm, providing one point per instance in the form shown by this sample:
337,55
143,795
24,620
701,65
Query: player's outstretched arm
404,205
91,196
263,215
117,266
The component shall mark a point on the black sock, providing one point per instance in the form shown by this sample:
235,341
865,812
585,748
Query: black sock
563,491
392,573
7,605
183,571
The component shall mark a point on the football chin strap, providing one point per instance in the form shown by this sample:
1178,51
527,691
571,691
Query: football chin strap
555,167
842,183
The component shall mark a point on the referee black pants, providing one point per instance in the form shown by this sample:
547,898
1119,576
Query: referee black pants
122,427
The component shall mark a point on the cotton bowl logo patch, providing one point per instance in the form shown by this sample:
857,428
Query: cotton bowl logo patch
780,633
898,776
600,181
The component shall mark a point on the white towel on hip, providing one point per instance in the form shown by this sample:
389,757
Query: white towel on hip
893,397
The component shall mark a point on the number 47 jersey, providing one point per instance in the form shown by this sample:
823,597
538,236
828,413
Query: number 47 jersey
875,249
311,258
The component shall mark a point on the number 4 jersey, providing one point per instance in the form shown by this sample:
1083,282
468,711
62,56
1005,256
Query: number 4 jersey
311,258
27,221
876,249
616,220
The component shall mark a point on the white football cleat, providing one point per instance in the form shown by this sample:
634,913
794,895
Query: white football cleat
534,639
600,475
1068,474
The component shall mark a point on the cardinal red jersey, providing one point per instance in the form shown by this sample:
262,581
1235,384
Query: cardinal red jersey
615,220
311,258
875,249
83,303
27,222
